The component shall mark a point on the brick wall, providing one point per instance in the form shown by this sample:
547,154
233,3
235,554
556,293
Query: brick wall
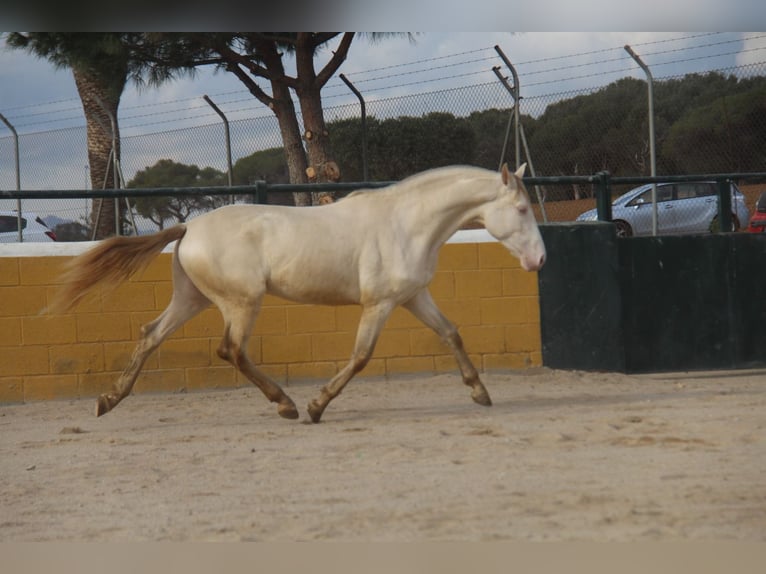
479,286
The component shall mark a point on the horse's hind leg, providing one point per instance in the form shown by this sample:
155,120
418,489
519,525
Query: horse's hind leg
238,326
186,302
424,308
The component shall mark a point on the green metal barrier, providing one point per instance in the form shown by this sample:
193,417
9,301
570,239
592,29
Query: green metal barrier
650,304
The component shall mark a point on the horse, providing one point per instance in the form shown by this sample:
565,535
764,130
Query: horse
374,248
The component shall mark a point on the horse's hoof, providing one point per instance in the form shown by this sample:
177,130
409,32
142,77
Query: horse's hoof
102,405
315,411
288,411
481,396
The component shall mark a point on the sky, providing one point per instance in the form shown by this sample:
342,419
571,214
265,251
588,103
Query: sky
35,96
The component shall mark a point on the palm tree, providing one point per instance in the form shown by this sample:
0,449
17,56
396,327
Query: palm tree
102,64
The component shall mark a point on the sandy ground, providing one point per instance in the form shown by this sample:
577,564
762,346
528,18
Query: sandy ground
560,456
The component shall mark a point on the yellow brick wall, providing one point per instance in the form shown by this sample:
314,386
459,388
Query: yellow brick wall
479,286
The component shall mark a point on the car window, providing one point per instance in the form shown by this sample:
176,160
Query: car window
10,223
686,190
691,190
664,193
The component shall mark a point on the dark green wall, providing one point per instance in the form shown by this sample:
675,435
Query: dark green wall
580,314
648,304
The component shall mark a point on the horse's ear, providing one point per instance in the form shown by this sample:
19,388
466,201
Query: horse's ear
521,170
505,174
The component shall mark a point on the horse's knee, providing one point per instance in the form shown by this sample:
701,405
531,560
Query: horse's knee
239,358
360,362
148,329
223,353
226,352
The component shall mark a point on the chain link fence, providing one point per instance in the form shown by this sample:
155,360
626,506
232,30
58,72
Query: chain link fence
58,159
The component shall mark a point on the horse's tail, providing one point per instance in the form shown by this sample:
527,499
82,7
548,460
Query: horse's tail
110,263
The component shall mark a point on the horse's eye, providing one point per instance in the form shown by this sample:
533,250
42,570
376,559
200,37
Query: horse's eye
523,209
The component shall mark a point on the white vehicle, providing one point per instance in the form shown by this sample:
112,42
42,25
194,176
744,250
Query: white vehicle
32,228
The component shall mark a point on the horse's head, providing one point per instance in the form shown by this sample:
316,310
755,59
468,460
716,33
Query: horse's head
509,219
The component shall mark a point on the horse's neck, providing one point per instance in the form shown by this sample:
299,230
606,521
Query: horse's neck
443,205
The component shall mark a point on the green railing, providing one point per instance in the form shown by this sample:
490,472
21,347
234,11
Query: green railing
602,183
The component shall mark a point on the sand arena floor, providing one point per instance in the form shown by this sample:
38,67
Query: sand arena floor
560,456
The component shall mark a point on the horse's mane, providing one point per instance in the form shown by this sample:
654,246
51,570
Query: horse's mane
426,179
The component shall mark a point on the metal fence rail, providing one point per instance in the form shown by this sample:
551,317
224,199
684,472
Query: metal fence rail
258,192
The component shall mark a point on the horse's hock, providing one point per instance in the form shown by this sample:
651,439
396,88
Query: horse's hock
478,285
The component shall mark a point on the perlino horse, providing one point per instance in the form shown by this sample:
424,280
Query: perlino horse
377,249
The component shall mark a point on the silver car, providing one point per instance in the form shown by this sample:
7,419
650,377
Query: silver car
688,207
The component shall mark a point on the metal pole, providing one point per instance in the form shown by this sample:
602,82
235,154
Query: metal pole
652,155
603,196
507,128
228,140
18,175
515,92
519,134
115,172
365,174
540,201
724,206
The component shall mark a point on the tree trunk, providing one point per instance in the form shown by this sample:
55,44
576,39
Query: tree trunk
295,154
321,167
99,132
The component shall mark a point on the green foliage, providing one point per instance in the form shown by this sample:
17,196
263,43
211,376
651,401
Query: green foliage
489,128
608,130
407,145
402,146
732,124
346,141
72,231
267,165
167,173
594,132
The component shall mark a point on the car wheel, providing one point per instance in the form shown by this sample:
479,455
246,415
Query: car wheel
715,226
623,228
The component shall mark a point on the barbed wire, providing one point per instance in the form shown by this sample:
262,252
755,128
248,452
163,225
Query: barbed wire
182,109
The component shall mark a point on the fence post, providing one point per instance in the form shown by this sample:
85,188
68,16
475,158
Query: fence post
516,97
652,152
604,196
519,128
261,192
363,108
18,174
724,206
228,140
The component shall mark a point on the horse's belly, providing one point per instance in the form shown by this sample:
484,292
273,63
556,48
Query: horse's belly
318,288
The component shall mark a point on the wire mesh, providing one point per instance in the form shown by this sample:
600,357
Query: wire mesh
58,159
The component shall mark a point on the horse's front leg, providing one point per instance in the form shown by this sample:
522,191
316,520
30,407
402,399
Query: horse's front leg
424,308
370,325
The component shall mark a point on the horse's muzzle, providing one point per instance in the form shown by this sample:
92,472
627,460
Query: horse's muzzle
533,263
